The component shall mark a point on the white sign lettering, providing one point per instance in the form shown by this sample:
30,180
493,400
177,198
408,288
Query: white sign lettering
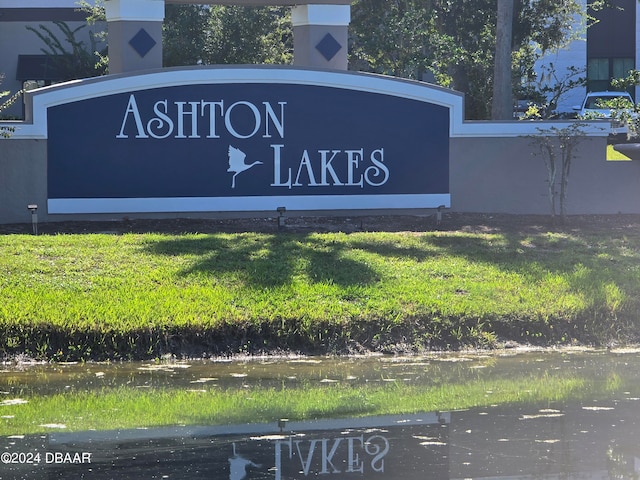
193,119
243,120
317,169
332,456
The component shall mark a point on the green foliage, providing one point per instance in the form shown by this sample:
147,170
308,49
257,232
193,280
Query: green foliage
623,111
199,34
248,35
598,5
72,58
95,11
396,38
547,23
184,34
454,40
534,112
209,35
6,131
546,88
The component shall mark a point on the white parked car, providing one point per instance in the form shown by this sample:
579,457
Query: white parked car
592,107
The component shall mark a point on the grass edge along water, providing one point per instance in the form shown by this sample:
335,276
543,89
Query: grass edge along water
101,296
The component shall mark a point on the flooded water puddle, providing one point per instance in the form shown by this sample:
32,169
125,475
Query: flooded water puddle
571,414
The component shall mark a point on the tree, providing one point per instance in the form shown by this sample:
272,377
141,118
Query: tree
451,42
95,11
397,38
184,34
456,40
502,107
546,88
249,35
557,147
624,111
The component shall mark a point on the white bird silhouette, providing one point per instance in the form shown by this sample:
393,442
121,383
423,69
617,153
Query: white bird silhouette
238,466
236,163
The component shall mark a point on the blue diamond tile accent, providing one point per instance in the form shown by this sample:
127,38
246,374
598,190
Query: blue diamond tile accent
328,47
142,42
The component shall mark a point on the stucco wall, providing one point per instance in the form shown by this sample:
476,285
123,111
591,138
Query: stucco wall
500,175
23,179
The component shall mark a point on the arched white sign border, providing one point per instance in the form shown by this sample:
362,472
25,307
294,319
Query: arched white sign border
40,100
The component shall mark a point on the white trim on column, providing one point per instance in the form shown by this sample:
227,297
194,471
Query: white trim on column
134,10
332,15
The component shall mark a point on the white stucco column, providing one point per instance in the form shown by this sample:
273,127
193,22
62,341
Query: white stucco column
135,34
320,35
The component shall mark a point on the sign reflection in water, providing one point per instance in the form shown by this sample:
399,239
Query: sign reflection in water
590,430
410,447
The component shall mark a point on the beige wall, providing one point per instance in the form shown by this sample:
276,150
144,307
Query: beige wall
23,179
500,175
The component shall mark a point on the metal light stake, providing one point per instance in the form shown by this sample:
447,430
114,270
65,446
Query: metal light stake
281,218
34,217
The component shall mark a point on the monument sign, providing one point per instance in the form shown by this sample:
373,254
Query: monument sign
248,139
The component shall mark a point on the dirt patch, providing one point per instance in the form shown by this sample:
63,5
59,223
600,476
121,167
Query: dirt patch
468,222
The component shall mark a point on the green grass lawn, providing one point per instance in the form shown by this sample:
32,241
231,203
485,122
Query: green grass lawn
142,295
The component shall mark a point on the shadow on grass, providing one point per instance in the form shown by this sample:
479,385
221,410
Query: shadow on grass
268,260
601,269
275,259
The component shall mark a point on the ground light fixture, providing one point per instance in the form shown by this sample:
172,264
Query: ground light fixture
282,423
439,215
33,208
281,218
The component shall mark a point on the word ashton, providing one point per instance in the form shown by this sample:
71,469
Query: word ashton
203,118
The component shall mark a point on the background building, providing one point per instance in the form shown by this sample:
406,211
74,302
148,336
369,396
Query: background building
22,60
605,50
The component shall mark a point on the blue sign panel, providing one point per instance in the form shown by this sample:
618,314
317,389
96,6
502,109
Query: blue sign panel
246,146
